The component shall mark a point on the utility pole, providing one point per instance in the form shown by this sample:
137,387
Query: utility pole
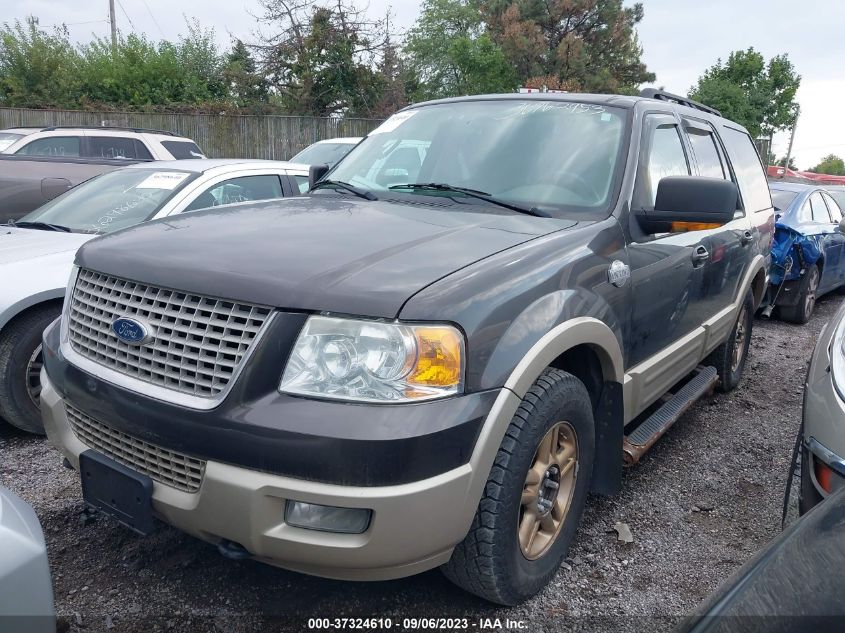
113,21
791,140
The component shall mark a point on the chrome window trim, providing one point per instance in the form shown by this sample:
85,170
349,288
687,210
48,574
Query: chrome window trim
823,453
143,388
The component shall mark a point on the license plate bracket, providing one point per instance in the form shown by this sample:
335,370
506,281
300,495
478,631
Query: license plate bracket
117,491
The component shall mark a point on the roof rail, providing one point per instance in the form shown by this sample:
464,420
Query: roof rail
139,130
662,95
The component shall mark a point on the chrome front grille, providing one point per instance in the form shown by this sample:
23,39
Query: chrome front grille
165,466
197,345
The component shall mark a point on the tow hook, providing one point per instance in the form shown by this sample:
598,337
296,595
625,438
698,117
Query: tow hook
233,550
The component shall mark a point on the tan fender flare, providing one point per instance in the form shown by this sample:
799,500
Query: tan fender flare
569,334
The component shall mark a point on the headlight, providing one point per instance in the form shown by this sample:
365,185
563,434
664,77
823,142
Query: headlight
373,361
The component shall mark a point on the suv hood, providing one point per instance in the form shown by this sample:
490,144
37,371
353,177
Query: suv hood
320,253
21,244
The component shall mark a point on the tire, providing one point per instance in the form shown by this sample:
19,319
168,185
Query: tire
802,311
20,363
724,358
492,562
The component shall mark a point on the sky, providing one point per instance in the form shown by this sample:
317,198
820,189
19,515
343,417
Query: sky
680,39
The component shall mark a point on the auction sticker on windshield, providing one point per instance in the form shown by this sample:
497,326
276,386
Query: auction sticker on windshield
394,122
167,180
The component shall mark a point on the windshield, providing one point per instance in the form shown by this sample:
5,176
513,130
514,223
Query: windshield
7,138
782,199
112,201
322,153
552,155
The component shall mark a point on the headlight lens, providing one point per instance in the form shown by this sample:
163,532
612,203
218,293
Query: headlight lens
373,361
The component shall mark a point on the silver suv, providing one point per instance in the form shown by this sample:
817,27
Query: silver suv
98,142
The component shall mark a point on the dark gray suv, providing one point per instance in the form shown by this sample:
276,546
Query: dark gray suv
468,325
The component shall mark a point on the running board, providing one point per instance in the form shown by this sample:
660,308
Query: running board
652,428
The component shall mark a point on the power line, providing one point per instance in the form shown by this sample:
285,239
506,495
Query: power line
52,26
131,23
158,26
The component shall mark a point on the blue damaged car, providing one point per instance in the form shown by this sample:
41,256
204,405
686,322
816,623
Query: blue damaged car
807,254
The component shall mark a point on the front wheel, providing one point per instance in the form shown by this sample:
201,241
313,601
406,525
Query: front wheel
534,497
20,368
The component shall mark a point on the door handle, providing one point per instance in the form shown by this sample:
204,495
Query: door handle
700,254
746,237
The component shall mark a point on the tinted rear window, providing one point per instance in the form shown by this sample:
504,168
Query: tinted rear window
748,169
183,150
782,199
839,196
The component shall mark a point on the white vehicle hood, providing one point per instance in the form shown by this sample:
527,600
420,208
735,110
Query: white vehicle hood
24,244
34,267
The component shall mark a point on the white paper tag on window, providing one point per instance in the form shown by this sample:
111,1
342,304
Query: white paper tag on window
394,122
167,180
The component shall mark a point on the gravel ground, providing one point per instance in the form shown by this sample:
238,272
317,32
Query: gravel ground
705,499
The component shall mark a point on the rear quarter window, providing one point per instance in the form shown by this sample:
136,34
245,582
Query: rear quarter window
183,150
748,169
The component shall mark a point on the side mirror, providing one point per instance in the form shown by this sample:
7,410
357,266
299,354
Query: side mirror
52,187
842,225
316,173
690,200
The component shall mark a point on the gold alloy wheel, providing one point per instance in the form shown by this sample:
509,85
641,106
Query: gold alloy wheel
739,339
33,376
547,493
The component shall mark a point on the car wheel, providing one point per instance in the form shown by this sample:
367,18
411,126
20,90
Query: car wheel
803,309
20,368
534,497
730,357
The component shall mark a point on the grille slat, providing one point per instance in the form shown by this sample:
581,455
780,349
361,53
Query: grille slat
199,342
163,465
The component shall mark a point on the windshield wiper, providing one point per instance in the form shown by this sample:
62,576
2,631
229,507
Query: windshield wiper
345,186
42,226
474,193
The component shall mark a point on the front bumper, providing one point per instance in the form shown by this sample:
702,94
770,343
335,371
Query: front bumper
414,526
823,423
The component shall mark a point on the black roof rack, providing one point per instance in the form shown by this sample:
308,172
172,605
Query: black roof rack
139,130
661,95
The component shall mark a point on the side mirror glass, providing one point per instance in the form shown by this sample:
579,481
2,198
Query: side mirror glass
842,226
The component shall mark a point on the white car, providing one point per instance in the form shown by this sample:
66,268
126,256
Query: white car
98,142
37,251
326,152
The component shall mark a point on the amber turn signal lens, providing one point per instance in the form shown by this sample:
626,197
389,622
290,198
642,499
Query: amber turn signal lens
440,357
683,227
824,475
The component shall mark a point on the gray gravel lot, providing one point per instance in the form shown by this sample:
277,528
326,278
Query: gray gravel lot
699,504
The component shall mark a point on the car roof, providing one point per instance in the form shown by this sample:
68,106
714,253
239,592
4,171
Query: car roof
796,187
619,101
346,140
21,130
202,165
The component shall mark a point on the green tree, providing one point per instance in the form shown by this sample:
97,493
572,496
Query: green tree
779,162
831,165
451,54
246,86
758,94
37,69
579,45
320,59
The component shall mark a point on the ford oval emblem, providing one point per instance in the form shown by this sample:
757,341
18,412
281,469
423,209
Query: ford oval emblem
132,331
